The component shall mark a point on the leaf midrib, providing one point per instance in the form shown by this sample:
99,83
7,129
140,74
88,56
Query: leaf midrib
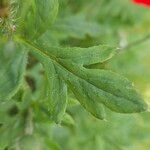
56,61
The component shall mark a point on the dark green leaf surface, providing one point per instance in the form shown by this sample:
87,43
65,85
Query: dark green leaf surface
92,87
55,91
106,87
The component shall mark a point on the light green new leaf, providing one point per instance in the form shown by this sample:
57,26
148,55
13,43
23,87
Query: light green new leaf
13,61
68,120
36,16
93,87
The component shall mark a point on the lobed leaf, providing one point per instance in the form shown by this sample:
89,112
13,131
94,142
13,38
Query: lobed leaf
56,91
81,56
93,88
105,87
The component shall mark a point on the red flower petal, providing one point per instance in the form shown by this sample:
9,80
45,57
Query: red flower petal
143,2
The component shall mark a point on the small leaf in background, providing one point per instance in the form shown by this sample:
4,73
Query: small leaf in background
38,16
13,60
76,26
68,120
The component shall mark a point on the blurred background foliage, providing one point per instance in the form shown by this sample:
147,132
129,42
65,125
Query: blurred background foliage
86,23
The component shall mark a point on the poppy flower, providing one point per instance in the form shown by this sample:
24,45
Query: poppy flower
142,2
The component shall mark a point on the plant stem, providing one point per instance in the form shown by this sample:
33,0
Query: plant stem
145,38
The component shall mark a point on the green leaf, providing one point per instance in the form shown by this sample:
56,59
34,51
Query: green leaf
38,16
95,108
106,87
81,56
68,120
91,86
13,59
76,26
56,92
